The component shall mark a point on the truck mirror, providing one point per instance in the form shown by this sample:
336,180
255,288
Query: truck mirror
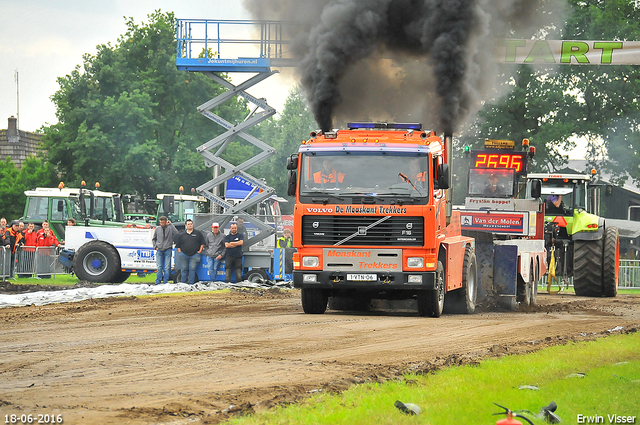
443,176
608,190
292,162
60,206
168,204
536,188
292,181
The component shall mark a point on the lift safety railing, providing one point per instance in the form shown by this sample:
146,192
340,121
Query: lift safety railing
264,44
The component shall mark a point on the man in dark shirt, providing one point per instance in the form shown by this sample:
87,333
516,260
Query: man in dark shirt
233,260
189,245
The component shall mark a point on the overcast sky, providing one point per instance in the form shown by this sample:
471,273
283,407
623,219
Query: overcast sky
45,39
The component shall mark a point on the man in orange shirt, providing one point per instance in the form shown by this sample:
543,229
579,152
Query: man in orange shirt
26,260
46,237
328,174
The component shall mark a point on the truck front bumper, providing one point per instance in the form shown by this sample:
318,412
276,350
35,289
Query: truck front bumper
419,281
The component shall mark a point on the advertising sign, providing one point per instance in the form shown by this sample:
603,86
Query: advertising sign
516,223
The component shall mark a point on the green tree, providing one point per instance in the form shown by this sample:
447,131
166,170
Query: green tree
128,117
13,182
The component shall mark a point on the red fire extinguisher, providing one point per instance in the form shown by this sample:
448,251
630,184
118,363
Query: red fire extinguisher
509,420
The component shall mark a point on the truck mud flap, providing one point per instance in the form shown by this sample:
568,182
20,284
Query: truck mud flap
505,274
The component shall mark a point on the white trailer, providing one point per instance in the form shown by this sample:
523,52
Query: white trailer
103,254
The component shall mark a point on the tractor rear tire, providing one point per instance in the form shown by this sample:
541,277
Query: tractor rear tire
587,268
97,262
431,303
314,300
610,262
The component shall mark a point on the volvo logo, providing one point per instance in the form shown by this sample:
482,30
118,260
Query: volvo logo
316,224
409,226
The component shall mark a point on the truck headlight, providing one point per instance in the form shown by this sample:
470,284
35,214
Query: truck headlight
310,262
308,278
415,262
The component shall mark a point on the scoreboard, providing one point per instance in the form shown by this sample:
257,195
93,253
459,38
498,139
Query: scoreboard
500,160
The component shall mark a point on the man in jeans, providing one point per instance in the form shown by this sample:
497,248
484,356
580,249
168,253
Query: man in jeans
215,250
233,242
190,245
163,244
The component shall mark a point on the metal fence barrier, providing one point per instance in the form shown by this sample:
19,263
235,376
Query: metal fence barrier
5,262
42,261
629,274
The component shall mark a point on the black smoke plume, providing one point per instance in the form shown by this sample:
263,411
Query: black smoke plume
414,60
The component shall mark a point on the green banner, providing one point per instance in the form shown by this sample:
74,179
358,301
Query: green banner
568,52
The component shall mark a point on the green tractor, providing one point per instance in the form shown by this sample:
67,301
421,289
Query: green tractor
579,242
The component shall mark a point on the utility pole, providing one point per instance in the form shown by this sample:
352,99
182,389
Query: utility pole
17,101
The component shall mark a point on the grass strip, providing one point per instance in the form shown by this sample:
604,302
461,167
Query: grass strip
465,394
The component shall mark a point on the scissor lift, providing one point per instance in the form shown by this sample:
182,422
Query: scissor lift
196,39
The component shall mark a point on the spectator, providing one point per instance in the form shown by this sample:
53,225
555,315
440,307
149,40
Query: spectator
285,241
163,244
71,222
3,228
12,239
190,245
233,261
30,235
21,226
26,260
243,231
215,250
46,237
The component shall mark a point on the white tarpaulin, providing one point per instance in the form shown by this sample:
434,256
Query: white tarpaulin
568,52
121,290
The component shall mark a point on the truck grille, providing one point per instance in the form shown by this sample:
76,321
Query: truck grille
394,231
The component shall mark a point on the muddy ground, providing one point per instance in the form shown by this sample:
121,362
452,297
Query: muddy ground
201,358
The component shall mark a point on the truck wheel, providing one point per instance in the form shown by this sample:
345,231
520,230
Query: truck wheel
314,300
610,262
587,268
463,300
524,291
431,303
533,298
97,261
257,276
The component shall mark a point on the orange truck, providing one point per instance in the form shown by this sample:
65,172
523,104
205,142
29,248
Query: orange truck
371,220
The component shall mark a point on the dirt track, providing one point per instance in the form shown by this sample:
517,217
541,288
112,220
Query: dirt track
187,359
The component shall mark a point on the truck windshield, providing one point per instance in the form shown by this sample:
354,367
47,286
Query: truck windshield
573,193
376,174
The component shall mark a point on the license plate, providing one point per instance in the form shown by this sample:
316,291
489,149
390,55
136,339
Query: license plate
362,277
